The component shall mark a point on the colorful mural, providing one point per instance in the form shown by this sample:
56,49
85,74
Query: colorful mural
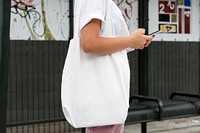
174,16
48,19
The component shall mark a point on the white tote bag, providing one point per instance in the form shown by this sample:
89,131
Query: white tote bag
90,97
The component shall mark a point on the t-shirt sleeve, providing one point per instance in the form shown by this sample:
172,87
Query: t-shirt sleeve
92,9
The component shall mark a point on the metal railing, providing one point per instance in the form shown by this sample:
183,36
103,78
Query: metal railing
34,101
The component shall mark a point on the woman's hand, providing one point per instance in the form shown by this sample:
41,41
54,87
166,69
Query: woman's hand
139,40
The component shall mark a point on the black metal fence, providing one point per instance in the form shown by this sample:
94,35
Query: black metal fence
35,74
174,66
34,102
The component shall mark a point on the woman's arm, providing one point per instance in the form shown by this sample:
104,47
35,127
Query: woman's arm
91,42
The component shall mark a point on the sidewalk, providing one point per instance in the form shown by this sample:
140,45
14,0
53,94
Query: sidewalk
183,125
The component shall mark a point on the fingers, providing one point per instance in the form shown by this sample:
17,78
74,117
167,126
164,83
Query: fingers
147,44
148,38
148,41
142,31
141,48
140,40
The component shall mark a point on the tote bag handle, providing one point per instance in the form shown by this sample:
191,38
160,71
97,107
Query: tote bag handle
108,22
77,18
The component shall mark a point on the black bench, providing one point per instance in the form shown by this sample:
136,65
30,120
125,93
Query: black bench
150,109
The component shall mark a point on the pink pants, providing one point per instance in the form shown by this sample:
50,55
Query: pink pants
106,129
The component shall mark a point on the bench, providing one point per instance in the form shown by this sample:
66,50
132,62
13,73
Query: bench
150,109
144,109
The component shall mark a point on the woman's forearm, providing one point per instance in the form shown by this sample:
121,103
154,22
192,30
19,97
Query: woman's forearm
91,42
105,45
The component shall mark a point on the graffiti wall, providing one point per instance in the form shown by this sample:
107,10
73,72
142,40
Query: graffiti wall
129,10
39,19
48,19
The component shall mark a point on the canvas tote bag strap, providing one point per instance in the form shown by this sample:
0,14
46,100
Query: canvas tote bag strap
108,21
77,17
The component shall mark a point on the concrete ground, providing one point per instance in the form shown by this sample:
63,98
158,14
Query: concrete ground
183,125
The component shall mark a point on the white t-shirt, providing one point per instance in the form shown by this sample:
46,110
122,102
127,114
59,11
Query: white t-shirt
119,70
97,9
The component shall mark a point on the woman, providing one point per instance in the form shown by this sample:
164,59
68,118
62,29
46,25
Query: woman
92,20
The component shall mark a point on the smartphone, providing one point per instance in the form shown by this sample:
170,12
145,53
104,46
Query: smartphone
154,33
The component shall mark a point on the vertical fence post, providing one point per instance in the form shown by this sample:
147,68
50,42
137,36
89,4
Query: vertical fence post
143,54
4,53
71,19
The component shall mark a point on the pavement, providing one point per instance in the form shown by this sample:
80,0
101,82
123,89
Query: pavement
183,125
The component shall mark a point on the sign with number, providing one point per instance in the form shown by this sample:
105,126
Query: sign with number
184,20
167,6
177,19
174,16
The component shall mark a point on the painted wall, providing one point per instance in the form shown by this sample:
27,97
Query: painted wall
48,19
129,10
39,20
177,19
